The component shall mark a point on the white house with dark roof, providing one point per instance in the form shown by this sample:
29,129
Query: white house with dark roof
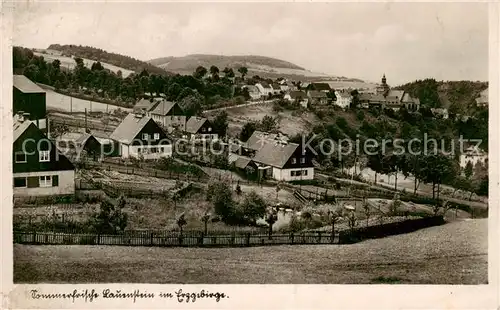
264,88
284,161
344,99
297,96
139,135
168,114
276,158
200,128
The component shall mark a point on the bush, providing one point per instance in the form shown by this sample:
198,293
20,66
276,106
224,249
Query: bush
220,195
360,115
253,207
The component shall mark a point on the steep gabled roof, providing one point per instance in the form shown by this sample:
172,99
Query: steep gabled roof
396,93
298,94
264,84
162,108
258,139
317,94
145,104
129,128
194,124
26,85
275,154
20,128
239,161
321,86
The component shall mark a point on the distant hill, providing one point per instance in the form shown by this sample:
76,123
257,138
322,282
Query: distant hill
97,54
257,65
457,96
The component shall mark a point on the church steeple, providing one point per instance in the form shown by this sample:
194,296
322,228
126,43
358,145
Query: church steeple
384,80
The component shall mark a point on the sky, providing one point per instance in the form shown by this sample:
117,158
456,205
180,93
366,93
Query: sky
406,41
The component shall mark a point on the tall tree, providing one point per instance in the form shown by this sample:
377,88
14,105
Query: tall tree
220,123
214,71
243,71
200,72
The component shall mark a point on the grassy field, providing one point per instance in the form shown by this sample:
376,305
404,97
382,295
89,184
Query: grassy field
454,253
69,62
290,123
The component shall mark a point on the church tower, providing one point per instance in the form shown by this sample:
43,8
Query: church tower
384,80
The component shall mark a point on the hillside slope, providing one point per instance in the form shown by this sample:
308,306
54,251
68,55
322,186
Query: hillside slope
457,96
257,65
98,54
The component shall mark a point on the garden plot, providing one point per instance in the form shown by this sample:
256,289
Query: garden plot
132,181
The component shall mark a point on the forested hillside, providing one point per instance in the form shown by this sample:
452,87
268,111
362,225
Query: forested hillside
459,97
193,92
98,54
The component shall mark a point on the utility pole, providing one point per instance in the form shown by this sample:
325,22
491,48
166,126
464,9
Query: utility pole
71,105
85,119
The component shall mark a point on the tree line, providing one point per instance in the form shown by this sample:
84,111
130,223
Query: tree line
202,89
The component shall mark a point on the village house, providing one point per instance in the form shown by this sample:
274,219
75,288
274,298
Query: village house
138,135
253,91
474,156
344,99
73,143
322,87
30,98
264,88
39,169
482,100
284,161
299,97
388,98
168,114
145,105
317,97
275,157
440,113
200,128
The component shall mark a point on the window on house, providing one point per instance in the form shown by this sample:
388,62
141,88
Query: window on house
20,157
157,136
209,129
294,160
302,160
44,156
145,136
292,173
45,181
154,150
139,150
304,172
20,182
203,129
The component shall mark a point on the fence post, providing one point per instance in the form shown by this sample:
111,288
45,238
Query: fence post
292,237
319,236
248,239
98,241
34,236
151,239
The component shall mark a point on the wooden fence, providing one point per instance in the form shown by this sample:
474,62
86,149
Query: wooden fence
167,239
234,239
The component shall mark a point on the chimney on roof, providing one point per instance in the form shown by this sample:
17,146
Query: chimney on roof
21,116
